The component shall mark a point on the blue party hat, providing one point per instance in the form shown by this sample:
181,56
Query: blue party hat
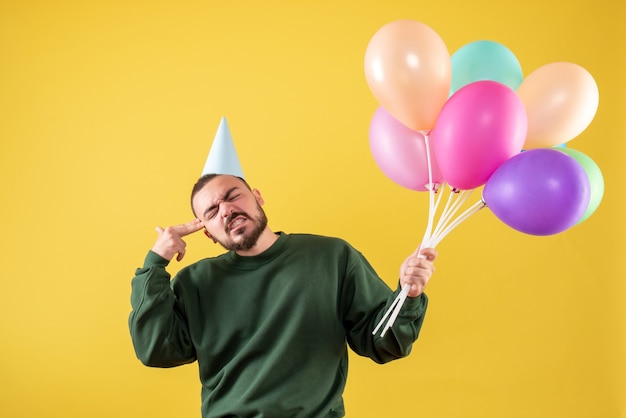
222,157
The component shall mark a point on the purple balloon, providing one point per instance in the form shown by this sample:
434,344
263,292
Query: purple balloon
539,192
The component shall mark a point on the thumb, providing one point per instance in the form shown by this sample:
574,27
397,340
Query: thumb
180,255
159,230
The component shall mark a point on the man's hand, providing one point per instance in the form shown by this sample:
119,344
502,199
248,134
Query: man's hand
170,240
417,270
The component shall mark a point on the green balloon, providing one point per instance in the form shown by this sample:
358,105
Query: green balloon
596,181
485,60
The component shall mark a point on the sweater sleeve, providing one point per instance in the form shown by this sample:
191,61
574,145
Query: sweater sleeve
157,322
366,299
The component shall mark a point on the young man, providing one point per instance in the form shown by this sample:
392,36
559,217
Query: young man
270,320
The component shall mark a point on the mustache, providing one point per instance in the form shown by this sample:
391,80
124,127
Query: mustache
232,216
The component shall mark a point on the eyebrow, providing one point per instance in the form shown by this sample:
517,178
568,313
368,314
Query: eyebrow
225,197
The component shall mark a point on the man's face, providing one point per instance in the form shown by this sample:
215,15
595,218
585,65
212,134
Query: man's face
230,212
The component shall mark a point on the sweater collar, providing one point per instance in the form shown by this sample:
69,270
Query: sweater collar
256,260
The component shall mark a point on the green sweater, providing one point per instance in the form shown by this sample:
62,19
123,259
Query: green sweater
269,332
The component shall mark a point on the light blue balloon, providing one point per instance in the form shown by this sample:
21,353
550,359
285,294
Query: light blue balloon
485,60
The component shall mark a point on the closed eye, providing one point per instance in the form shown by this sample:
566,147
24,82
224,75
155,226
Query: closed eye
210,213
229,196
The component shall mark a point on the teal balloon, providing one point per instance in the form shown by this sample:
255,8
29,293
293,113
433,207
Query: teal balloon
596,180
485,60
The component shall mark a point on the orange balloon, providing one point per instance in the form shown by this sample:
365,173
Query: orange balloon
561,100
408,69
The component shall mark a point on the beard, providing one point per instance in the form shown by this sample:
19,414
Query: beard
249,235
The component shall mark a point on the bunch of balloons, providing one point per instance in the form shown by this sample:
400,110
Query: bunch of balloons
472,120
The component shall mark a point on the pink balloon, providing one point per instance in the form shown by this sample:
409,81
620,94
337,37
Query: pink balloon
400,152
481,126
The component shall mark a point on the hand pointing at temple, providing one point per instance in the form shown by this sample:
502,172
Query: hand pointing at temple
170,240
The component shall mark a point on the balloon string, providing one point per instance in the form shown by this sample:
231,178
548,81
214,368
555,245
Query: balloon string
393,305
439,196
431,238
396,306
469,212
400,301
443,228
447,206
431,191
459,199
448,210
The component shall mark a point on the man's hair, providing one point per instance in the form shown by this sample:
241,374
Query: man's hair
202,181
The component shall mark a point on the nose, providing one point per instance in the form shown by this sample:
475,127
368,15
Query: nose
225,209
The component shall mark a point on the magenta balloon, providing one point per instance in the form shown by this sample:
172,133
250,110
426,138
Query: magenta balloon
400,152
539,192
481,126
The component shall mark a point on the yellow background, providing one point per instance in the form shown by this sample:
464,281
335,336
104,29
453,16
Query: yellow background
108,110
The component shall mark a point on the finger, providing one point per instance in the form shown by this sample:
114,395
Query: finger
416,289
159,230
428,253
188,228
421,262
180,255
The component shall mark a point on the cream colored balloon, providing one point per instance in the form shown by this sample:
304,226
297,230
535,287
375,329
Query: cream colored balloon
561,100
408,69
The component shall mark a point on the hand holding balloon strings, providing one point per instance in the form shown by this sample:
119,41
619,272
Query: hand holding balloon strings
432,237
482,113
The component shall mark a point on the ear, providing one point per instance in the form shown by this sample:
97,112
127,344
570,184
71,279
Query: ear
209,236
258,197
